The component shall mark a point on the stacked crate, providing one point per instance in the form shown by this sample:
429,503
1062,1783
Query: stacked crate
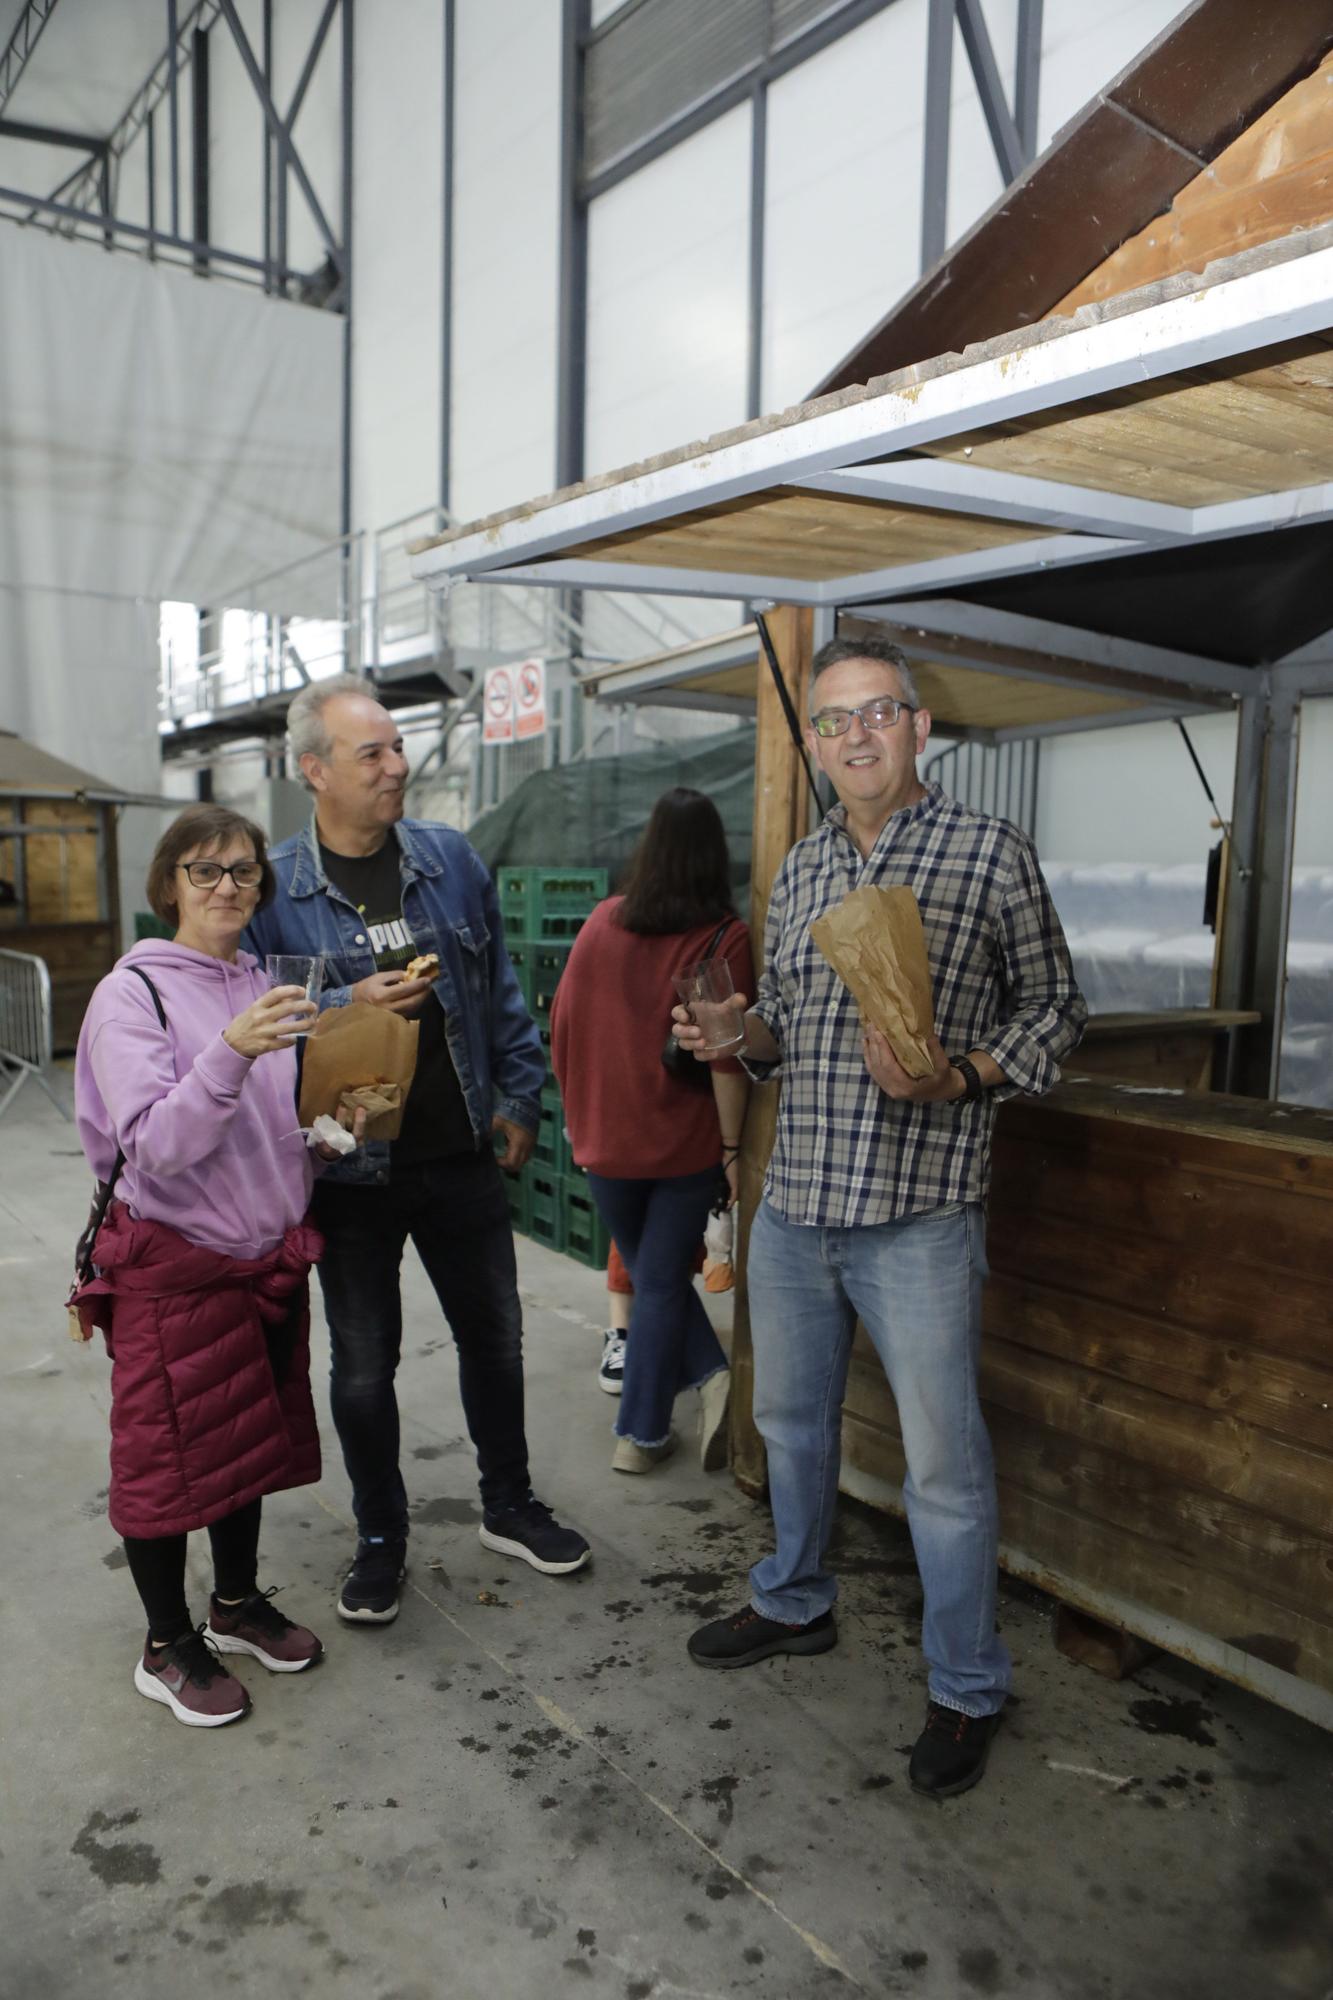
543,911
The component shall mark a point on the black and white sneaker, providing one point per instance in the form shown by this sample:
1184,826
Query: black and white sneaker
611,1374
370,1594
532,1533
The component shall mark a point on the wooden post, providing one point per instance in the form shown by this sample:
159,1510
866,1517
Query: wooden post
781,817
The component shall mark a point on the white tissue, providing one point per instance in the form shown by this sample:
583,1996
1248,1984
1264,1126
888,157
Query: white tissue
327,1131
720,1236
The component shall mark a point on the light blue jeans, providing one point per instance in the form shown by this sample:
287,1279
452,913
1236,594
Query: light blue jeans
916,1287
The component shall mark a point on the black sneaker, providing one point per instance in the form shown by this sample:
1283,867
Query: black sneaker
370,1594
532,1533
949,1755
746,1637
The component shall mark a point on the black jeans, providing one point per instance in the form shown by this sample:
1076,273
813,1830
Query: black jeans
157,1565
457,1216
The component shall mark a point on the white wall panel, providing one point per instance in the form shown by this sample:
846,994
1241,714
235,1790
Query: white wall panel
1133,794
506,251
975,180
667,290
397,233
843,209
1083,47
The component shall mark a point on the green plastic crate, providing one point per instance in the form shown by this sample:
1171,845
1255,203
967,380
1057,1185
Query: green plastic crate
514,888
561,899
521,957
551,1152
586,1236
548,960
146,925
520,1205
546,1221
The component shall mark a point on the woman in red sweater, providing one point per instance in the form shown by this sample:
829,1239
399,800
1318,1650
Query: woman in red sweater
651,1144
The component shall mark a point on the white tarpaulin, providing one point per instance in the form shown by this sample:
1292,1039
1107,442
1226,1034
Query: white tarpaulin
161,436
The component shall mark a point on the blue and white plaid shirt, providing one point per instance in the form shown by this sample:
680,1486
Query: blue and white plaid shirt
845,1154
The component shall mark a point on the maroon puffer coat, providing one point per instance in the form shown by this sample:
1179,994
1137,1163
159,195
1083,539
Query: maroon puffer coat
199,1425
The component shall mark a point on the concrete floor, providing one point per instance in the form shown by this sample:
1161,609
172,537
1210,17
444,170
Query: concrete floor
523,1788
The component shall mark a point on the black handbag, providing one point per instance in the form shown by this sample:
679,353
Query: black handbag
83,1250
679,1062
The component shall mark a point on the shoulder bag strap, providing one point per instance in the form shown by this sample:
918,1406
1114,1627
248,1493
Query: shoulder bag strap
105,1189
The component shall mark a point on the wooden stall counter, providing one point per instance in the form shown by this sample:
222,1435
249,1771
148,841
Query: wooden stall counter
1185,1046
1157,1371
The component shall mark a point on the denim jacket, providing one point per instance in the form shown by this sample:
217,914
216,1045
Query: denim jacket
450,907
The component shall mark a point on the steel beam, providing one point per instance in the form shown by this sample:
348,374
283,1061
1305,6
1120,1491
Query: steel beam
588,573
572,303
1260,1057
1007,496
994,105
1277,302
281,132
1044,552
1027,75
1120,718
173,92
33,17
754,328
51,135
1040,636
449,102
199,135
346,53
935,138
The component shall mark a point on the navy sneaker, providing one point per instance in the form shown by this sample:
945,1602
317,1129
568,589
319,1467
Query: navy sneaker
747,1637
532,1533
370,1593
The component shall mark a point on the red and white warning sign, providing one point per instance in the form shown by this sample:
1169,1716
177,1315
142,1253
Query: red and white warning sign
530,699
498,706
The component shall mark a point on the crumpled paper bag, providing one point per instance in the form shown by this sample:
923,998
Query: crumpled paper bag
354,1047
876,943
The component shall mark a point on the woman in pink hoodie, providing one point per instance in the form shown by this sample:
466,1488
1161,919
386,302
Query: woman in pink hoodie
185,1095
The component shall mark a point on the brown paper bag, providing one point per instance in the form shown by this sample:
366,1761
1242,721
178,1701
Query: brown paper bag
350,1048
875,942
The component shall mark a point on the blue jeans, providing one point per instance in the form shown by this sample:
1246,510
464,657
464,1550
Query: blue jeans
658,1226
916,1287
456,1214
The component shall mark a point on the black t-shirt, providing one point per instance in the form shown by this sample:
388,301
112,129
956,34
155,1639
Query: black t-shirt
435,1122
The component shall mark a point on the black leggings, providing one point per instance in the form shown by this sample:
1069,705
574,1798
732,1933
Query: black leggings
158,1569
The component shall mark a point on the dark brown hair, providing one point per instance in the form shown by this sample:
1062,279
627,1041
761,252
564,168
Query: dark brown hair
680,873
201,826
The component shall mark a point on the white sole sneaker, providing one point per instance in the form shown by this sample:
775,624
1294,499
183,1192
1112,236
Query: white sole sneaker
155,1690
631,1457
714,1439
613,1384
504,1546
226,1642
365,1616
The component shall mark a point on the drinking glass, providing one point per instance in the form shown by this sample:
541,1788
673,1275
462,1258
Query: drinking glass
297,969
705,989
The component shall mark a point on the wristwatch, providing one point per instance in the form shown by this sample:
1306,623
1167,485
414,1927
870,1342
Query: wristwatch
973,1083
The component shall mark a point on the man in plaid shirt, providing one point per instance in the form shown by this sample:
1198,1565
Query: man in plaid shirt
874,1201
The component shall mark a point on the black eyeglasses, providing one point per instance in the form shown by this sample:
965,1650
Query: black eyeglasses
881,713
207,874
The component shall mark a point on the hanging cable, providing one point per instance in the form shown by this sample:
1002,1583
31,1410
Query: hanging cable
785,698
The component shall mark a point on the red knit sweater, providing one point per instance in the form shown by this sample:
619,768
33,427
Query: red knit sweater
627,1116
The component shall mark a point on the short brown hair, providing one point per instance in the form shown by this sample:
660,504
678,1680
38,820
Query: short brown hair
201,826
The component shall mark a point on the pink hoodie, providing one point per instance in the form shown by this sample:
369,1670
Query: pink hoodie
211,1142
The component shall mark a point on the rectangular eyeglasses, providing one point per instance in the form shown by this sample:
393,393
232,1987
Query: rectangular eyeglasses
881,713
207,874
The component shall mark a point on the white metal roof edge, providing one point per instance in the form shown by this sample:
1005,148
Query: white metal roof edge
1279,293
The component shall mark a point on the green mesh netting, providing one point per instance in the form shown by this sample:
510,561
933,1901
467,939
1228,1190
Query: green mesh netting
590,815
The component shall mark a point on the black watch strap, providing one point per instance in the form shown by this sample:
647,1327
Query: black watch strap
968,1072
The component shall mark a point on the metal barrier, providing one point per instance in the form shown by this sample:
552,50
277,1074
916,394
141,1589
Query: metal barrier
25,1026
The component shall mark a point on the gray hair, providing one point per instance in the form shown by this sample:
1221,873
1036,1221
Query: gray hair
835,651
307,731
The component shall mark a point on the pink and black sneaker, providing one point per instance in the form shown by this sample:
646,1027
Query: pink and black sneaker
190,1679
257,1626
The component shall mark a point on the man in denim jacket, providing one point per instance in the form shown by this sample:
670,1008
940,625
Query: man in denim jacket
371,891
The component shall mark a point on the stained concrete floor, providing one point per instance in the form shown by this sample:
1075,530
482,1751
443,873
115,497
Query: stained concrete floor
523,1788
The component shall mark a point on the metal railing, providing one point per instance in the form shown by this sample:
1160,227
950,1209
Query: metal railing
996,778
25,1027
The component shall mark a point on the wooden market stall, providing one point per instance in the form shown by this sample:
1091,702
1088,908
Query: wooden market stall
1039,520
58,882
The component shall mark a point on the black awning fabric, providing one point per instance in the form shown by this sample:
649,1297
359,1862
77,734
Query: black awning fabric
1248,601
